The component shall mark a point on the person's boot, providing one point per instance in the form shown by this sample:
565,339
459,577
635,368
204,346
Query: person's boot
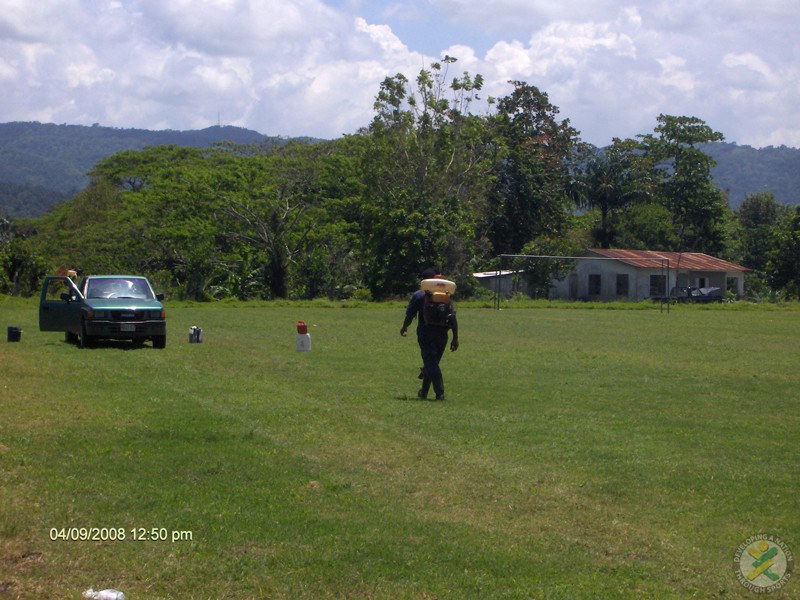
438,388
422,394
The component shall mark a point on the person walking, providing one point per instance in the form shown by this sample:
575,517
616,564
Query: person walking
432,339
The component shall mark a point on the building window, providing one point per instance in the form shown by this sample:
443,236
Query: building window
594,285
622,285
658,285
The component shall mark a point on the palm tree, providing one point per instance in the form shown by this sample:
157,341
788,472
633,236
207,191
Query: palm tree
610,181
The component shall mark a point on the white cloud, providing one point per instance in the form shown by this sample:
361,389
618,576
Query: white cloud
674,73
311,67
744,66
383,37
504,14
510,59
8,70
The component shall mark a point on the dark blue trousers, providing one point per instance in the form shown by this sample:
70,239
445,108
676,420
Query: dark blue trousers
432,344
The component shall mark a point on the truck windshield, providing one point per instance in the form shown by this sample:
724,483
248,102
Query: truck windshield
119,287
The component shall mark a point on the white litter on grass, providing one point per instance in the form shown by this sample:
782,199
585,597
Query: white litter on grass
103,595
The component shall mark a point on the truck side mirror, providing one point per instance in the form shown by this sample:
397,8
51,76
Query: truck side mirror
66,297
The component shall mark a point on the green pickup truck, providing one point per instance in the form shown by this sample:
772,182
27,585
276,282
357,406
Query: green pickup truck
117,307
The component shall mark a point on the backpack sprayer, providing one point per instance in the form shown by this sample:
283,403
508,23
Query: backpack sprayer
437,308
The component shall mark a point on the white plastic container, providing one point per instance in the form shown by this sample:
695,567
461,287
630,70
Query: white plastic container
304,342
303,337
438,285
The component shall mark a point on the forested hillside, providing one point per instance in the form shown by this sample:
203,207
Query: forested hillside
44,164
743,170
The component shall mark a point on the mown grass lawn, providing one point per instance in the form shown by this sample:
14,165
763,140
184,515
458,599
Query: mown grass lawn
581,453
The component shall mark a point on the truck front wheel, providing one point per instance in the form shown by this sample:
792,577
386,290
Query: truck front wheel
84,341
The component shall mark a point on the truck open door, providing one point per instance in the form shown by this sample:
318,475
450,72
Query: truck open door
59,305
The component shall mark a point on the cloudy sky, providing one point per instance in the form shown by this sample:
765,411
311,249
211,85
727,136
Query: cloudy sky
313,67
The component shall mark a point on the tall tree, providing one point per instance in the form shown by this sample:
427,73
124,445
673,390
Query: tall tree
759,216
424,176
534,155
230,220
687,187
100,230
273,206
784,266
21,266
187,229
330,263
133,170
647,226
610,181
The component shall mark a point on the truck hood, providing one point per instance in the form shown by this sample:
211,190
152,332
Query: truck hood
123,303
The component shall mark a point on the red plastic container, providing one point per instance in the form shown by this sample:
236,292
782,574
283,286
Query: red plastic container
302,328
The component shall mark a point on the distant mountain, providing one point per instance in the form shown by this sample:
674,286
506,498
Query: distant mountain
743,170
44,164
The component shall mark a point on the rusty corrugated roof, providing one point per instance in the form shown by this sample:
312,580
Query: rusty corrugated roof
689,261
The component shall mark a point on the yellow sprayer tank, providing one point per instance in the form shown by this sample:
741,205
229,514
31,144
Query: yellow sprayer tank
438,287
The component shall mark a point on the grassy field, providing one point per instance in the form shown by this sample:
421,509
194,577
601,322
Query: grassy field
581,453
